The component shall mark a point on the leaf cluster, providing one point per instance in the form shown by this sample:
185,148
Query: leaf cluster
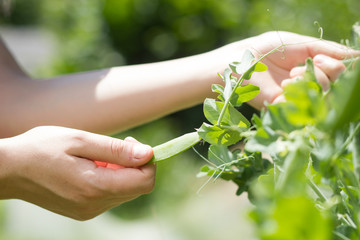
227,126
313,139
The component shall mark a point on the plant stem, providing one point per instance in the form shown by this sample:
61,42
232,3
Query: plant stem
341,236
347,142
241,80
316,190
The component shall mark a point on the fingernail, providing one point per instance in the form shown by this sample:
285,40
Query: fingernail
296,71
140,151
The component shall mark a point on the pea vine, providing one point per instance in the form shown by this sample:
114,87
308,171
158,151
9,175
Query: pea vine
309,185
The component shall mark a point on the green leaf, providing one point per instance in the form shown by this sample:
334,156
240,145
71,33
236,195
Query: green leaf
277,118
263,187
265,140
245,63
232,117
219,154
257,67
243,94
256,121
306,104
247,66
260,67
217,88
212,109
228,84
219,136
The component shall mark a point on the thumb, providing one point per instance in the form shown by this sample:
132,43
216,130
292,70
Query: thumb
112,150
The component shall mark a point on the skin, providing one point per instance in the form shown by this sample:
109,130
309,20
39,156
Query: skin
76,173
52,167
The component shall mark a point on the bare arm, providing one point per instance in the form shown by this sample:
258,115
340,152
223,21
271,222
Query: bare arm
109,100
115,99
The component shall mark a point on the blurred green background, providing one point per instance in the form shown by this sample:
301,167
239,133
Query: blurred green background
93,34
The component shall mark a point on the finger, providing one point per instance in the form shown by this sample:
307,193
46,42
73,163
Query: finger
288,81
112,150
127,181
330,66
113,165
321,77
331,49
297,71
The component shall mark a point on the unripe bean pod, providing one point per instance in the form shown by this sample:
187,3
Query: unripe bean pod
174,146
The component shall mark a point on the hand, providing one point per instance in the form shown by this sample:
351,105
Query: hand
281,64
53,167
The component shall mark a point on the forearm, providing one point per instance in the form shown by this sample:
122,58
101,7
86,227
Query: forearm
115,99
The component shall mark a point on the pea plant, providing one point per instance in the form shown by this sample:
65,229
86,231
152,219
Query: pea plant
300,160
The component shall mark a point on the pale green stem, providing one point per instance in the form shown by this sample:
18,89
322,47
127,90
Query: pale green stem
341,236
317,190
241,80
347,142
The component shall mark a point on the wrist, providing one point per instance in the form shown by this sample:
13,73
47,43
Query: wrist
231,52
7,184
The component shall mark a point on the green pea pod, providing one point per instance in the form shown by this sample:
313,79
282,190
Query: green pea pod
174,146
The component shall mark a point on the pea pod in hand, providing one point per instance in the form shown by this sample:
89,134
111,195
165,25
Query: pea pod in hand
174,147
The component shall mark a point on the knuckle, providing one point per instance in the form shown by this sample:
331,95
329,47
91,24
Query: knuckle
117,147
74,141
77,137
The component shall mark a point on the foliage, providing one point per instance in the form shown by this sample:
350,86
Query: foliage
313,142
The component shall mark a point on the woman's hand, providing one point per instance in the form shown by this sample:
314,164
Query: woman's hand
283,64
55,168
